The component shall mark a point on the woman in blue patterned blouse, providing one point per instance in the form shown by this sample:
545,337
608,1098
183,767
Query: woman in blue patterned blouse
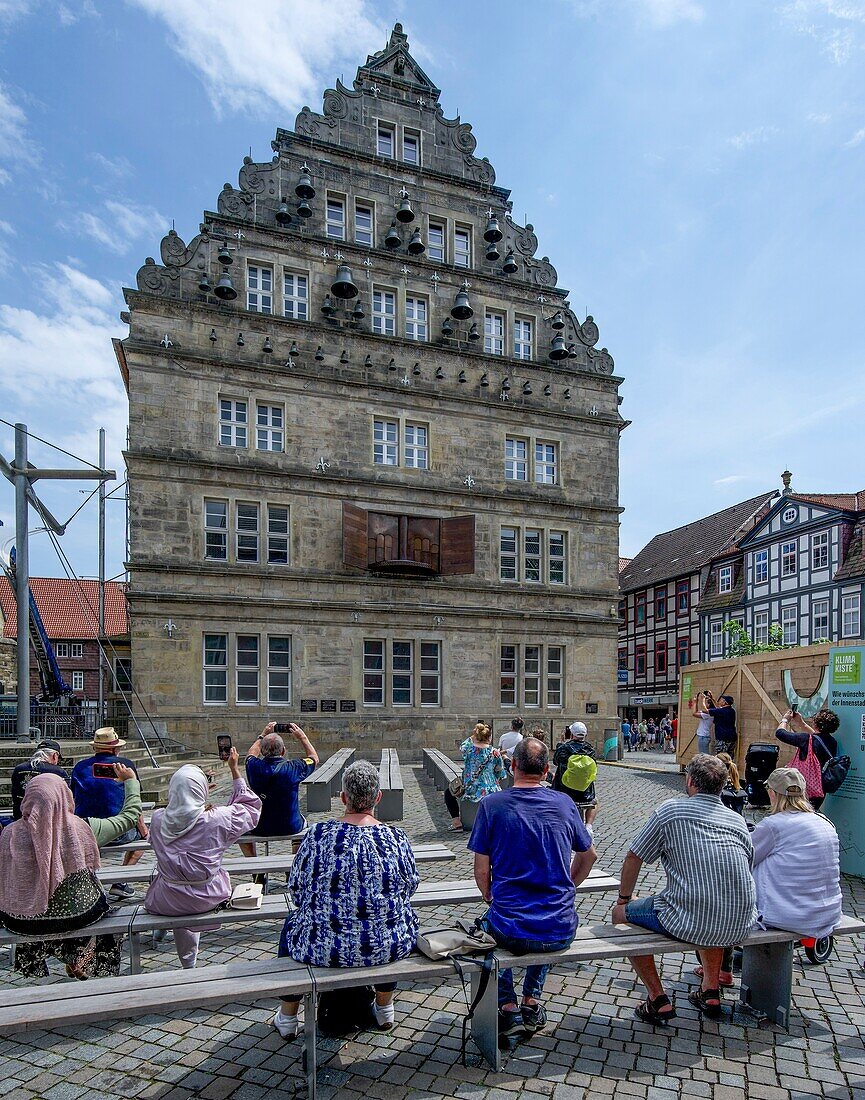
352,882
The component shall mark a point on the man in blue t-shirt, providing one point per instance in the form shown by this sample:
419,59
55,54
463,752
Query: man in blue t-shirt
276,781
531,851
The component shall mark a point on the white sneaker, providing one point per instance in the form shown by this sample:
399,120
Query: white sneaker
287,1026
384,1016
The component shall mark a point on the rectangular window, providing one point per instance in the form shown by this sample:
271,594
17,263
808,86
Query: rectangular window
558,570
640,609
232,422
508,550
246,668
436,244
247,532
259,289
725,578
123,674
660,603
555,675
336,219
373,672
788,559
385,142
761,567
683,652
78,681
216,530
410,147
215,668
61,649
660,657
269,427
278,670
761,627
640,660
790,625
385,446
522,338
683,597
362,223
820,550
819,619
430,674
532,676
623,612
716,639
623,660
546,463
494,334
516,460
508,676
532,556
416,451
295,295
850,609
76,649
416,319
462,247
401,674
277,534
384,312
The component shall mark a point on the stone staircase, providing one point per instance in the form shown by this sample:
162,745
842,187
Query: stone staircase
154,781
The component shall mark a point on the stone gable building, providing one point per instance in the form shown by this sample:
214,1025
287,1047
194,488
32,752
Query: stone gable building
373,453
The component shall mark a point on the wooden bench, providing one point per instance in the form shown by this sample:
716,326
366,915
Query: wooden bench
441,769
390,778
325,783
247,838
766,980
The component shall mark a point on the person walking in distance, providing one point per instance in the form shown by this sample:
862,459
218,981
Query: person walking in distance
576,748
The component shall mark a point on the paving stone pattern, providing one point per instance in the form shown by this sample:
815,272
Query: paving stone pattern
592,1046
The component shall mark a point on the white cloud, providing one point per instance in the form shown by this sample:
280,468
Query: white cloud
15,146
69,14
282,54
664,13
759,135
116,166
819,118
857,139
117,225
836,25
732,479
14,9
6,227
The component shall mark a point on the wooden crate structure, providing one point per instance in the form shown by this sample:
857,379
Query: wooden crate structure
757,685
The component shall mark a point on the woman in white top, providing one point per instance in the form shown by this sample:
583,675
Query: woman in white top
796,868
700,707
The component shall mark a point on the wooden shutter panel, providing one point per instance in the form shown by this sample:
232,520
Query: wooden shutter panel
457,545
382,538
423,541
354,537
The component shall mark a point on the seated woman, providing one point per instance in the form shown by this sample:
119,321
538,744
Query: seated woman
794,730
483,769
352,881
189,839
48,863
733,796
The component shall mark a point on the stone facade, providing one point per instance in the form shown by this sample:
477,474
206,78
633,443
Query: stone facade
398,551
8,669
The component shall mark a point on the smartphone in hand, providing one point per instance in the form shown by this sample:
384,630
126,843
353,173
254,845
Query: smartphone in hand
223,745
104,771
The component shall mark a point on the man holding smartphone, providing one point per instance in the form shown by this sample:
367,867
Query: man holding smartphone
276,780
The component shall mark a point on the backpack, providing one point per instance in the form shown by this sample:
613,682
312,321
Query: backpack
344,1011
580,772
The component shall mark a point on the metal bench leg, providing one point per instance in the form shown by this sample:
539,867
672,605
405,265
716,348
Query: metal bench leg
767,980
134,952
484,1024
310,1006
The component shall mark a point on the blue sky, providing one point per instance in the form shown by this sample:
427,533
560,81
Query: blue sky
693,168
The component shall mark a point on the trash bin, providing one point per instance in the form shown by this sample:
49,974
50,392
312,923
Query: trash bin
612,745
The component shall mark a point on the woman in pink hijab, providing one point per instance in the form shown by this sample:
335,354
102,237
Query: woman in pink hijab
189,839
48,860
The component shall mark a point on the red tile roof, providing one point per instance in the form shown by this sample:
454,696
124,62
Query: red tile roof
69,609
849,502
624,562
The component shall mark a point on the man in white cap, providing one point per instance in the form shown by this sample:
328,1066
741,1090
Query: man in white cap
574,743
99,796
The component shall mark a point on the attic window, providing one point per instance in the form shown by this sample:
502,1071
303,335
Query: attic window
725,578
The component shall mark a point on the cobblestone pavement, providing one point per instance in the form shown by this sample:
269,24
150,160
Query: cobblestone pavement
591,1047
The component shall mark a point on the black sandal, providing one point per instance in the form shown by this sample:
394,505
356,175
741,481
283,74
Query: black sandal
647,1010
700,999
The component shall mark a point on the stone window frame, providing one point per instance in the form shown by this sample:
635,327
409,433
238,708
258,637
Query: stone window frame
217,531
366,205
383,687
271,670
271,431
262,295
234,425
493,338
516,560
298,300
519,343
276,537
462,227
384,288
532,463
411,132
215,667
412,325
386,127
247,533
440,223
338,198
252,671
533,677
231,501
402,421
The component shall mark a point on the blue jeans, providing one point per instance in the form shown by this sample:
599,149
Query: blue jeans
703,743
533,982
643,912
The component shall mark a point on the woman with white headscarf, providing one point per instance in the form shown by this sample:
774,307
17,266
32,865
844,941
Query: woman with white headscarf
189,839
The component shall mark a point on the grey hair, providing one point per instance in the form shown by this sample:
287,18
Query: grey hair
42,756
360,785
272,745
707,773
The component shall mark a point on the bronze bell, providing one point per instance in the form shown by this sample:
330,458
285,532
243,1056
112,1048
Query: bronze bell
567,394
506,385
304,189
572,351
293,349
267,346
527,389
548,390
416,245
224,257
416,370
473,331
558,321
283,214
462,377
461,309
344,357
492,252
447,328
485,381
392,239
343,287
204,286
368,361
492,233
213,336
439,373
319,354
405,212
327,306
357,314
392,365
510,265
240,340
557,348
304,210
225,288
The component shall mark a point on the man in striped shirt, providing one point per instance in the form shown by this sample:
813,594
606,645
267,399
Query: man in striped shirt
708,900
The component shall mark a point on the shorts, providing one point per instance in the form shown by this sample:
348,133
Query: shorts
125,838
643,913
